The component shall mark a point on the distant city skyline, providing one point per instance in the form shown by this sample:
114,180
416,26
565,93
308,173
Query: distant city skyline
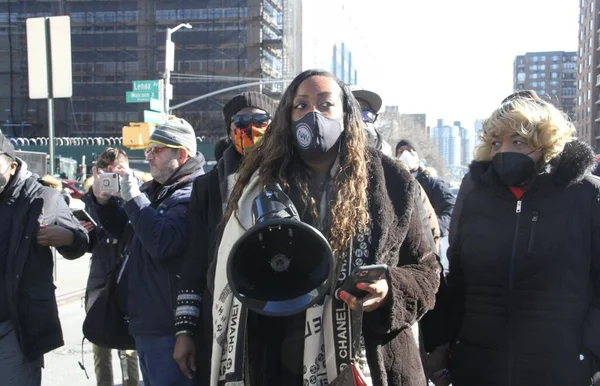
454,60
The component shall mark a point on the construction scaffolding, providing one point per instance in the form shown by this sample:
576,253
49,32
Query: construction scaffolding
117,42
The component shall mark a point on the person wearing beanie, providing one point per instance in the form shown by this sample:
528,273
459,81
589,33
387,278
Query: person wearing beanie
34,218
247,117
158,216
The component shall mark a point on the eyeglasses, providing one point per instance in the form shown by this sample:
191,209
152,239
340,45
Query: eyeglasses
244,120
369,116
155,150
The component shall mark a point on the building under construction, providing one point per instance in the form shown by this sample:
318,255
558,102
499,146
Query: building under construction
231,42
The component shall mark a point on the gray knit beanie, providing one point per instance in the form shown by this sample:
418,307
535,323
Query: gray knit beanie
176,133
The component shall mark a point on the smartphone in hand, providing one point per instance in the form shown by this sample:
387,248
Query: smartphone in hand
365,274
82,215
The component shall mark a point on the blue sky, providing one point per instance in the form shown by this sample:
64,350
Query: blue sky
453,59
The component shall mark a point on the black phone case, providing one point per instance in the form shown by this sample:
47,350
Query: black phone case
359,275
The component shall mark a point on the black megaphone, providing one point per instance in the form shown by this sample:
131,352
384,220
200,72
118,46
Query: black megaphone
281,265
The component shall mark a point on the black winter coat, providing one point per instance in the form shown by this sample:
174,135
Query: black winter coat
441,198
29,281
205,213
525,275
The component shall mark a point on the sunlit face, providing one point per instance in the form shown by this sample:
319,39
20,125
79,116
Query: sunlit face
318,93
163,161
516,144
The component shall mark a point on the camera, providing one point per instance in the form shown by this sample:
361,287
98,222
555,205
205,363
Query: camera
110,183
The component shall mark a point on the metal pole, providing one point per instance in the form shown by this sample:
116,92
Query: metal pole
167,81
51,134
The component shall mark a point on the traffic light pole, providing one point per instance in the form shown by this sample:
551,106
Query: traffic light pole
223,90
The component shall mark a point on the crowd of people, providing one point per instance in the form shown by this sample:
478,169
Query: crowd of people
514,301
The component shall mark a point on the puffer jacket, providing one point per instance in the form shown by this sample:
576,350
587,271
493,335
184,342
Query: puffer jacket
525,277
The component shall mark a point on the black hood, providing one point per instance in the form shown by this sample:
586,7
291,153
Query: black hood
570,167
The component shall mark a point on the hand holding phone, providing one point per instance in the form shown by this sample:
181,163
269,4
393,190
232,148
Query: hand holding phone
82,215
366,274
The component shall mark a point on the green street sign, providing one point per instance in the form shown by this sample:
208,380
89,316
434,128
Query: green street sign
137,97
143,91
154,117
146,85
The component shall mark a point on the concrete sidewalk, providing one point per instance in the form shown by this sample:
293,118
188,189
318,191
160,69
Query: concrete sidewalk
71,278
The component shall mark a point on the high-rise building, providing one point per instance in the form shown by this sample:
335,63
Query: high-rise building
448,141
332,39
478,127
466,143
115,42
588,74
551,74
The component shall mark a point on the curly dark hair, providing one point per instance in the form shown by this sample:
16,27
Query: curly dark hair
278,162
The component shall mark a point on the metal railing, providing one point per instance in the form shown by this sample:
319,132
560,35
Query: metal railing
73,141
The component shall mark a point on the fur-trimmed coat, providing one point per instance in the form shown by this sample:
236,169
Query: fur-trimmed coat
398,241
413,278
525,275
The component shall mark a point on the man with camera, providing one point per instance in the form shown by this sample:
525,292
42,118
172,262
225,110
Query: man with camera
33,218
107,252
157,212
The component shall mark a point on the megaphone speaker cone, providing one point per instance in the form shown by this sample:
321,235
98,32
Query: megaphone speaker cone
280,267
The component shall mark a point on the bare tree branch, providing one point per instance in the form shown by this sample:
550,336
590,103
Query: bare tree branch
393,130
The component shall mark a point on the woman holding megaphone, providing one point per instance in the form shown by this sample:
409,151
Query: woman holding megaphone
363,203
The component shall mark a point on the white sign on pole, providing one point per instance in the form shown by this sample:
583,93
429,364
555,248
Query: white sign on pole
170,55
49,38
37,65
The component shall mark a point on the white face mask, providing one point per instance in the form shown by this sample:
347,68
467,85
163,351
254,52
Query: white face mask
410,159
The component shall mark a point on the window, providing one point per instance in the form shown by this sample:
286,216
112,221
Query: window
542,58
555,58
535,59
554,91
542,67
589,95
554,75
533,68
534,84
555,66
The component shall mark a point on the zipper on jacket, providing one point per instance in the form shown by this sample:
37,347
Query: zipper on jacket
534,221
511,272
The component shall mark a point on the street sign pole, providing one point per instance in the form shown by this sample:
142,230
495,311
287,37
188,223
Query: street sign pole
49,71
49,65
50,100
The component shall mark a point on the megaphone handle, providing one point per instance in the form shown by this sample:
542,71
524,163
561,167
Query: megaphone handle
357,319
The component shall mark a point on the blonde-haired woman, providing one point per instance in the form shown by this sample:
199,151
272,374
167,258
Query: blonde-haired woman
362,201
525,260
